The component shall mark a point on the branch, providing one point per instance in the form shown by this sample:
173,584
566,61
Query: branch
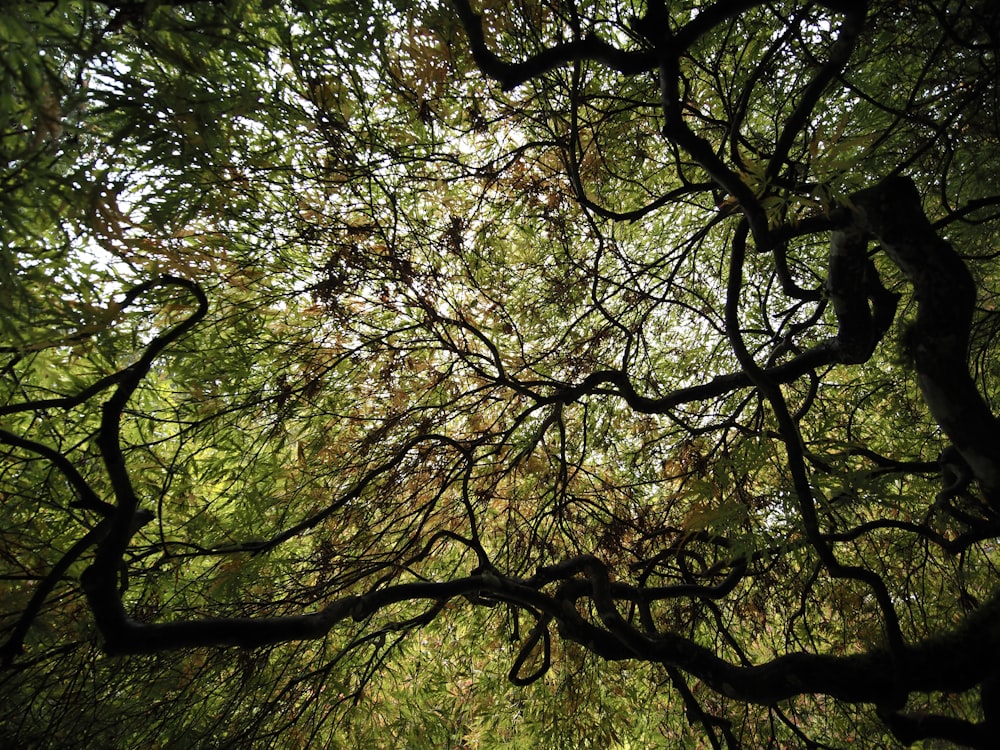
108,559
122,635
512,75
850,30
114,310
946,295
851,283
15,643
87,497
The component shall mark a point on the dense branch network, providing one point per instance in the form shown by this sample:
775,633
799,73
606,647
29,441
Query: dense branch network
580,598
889,214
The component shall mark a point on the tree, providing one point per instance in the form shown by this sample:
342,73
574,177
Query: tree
352,350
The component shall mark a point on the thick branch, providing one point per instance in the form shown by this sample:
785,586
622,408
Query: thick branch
511,75
851,283
110,550
946,296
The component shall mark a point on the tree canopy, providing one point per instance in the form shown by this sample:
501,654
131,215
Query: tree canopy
535,373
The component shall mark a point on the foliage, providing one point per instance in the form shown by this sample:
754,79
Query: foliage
548,373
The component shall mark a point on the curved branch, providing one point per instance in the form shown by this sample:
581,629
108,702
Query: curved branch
15,642
851,283
946,295
850,30
512,75
109,552
88,499
67,402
